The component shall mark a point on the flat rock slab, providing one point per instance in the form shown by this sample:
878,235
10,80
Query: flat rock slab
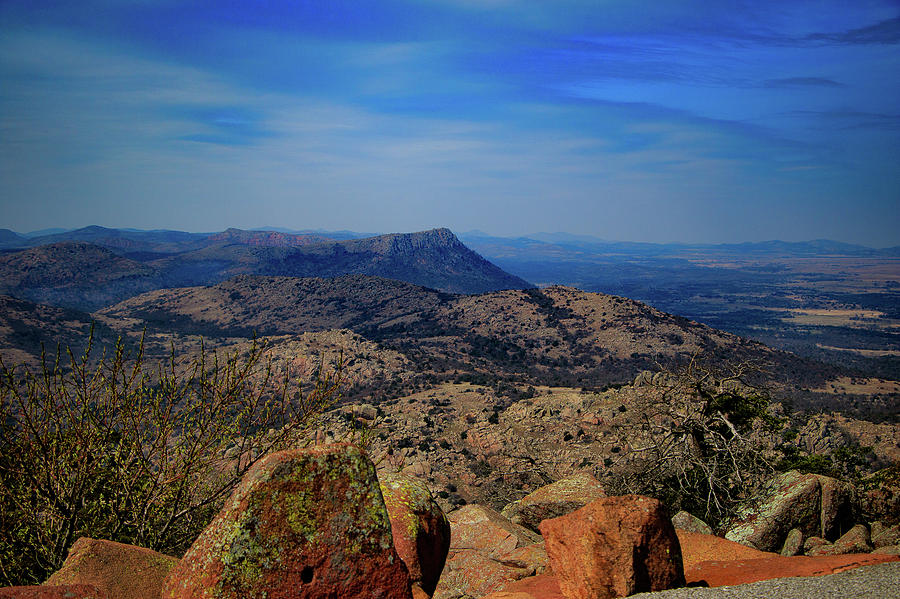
722,573
121,571
697,547
67,591
544,586
302,524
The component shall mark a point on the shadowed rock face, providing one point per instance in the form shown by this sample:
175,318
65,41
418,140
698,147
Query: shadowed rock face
302,524
614,547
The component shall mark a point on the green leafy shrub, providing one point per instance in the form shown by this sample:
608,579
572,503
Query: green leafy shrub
112,448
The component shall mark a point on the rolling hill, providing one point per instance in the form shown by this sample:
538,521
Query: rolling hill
557,335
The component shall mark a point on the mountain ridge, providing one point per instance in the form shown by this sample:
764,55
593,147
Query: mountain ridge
112,264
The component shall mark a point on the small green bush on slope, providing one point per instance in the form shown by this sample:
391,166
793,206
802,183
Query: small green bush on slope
117,450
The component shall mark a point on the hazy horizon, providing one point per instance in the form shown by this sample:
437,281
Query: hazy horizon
682,121
533,235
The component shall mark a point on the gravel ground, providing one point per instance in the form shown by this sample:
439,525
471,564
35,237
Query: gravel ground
869,582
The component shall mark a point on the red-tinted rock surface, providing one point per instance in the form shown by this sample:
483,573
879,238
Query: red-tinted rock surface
613,547
302,524
534,587
697,547
420,529
816,505
530,557
487,552
721,573
471,573
418,592
554,500
68,591
714,561
719,562
813,542
121,571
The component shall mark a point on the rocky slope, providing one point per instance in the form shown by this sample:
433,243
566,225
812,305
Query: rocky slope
74,275
557,336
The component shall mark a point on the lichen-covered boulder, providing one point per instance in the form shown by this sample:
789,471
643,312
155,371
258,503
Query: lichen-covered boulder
302,524
614,547
121,571
421,530
66,591
554,500
816,505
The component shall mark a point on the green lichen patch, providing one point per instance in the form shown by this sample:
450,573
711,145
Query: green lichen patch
302,517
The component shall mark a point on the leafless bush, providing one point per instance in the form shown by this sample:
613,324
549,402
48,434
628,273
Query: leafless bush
695,444
114,449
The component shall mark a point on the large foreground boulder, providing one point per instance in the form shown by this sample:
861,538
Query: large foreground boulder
121,571
420,529
554,500
818,506
302,524
613,547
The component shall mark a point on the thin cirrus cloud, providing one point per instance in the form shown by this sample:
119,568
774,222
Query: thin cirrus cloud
801,82
631,120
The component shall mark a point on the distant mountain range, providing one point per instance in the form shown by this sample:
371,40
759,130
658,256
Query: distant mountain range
94,267
169,240
555,243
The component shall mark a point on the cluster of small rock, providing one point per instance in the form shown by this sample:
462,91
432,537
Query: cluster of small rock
320,523
810,514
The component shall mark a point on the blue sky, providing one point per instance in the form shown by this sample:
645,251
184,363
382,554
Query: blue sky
647,121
